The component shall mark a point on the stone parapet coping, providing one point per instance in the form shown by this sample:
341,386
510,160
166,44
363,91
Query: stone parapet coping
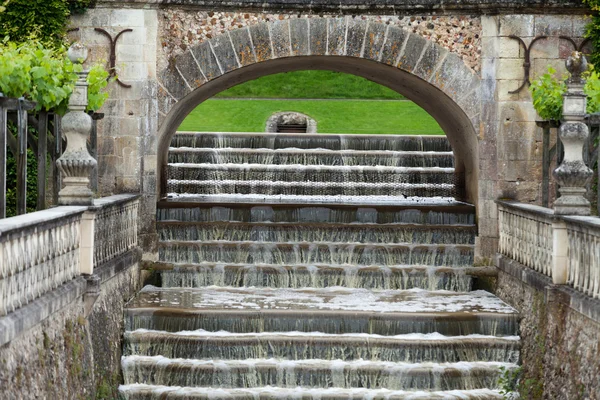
113,200
530,208
44,217
378,7
577,301
30,315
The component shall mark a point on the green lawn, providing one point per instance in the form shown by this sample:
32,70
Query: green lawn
332,116
311,85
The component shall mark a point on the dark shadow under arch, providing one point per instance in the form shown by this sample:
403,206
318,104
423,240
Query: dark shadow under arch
449,115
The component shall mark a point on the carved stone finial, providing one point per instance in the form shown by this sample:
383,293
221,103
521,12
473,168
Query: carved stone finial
572,174
76,163
576,65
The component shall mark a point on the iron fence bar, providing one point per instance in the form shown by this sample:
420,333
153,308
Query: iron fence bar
21,159
42,155
3,144
57,152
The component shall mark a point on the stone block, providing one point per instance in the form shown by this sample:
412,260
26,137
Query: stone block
488,169
132,71
172,81
280,38
149,184
106,146
394,44
374,40
242,44
318,36
165,103
510,68
447,72
579,25
553,25
355,38
126,184
518,25
540,66
261,41
489,26
130,52
206,60
150,164
107,166
487,246
138,36
150,18
505,86
509,48
127,17
412,52
488,227
433,55
545,48
130,126
224,52
336,34
299,36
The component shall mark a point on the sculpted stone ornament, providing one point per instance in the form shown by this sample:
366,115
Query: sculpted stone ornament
76,163
572,174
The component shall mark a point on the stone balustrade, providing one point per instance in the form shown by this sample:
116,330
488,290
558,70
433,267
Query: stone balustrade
39,252
565,248
526,235
43,250
115,226
583,257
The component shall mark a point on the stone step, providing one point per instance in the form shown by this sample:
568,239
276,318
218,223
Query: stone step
331,310
443,159
149,392
297,190
243,252
255,140
414,348
250,373
311,173
316,232
317,276
447,213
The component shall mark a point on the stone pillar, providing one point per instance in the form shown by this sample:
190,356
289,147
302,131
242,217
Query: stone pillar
76,163
572,174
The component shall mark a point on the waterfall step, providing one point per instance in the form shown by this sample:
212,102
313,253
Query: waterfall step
323,157
397,277
149,392
440,213
243,252
411,348
158,370
331,310
254,140
315,232
322,190
350,175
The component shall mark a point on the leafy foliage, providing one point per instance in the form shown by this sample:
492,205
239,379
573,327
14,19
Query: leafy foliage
97,80
547,93
80,6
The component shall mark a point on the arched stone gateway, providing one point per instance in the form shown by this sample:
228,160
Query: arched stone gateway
431,76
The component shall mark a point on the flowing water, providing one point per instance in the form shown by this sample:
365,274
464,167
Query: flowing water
322,267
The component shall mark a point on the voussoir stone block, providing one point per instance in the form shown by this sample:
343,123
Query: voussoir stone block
261,39
189,70
336,36
374,40
447,71
299,36
412,52
433,55
206,60
242,43
173,82
356,36
393,45
224,52
280,37
318,36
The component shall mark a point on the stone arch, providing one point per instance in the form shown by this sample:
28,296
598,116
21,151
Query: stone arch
424,72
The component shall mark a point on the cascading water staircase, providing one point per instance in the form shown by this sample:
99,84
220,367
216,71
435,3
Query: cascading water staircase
296,266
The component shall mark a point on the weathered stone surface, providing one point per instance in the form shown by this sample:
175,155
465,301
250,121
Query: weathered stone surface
355,38
224,52
433,55
261,40
318,36
206,60
412,52
242,44
518,25
553,25
374,40
393,45
280,37
299,31
336,31
188,68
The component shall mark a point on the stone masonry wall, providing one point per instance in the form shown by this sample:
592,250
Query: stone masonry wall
560,346
510,143
69,355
